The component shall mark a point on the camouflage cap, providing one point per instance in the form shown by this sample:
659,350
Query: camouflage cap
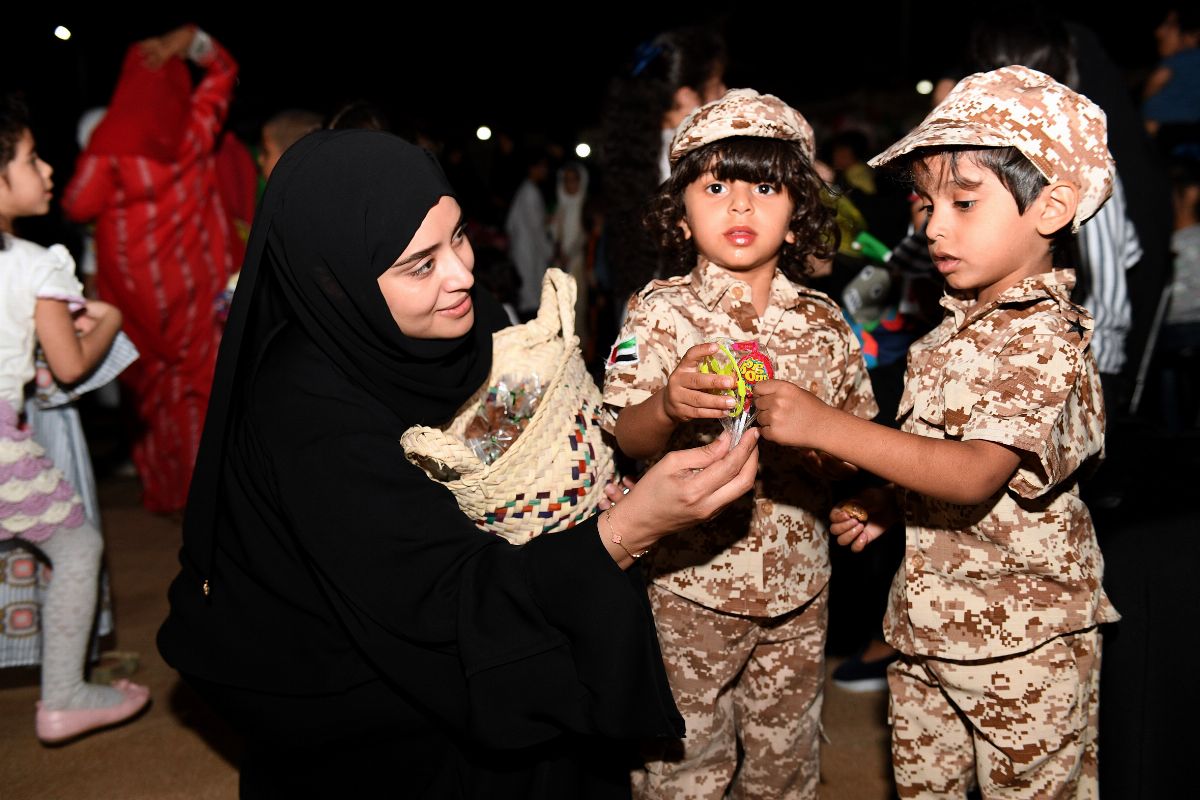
1060,131
742,112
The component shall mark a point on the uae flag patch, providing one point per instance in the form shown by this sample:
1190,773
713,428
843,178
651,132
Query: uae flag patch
623,352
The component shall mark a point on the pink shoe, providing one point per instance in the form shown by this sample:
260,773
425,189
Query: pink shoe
54,727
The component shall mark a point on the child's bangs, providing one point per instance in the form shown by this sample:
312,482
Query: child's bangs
934,168
748,158
930,169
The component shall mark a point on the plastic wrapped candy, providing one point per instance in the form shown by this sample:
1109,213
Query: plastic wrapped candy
747,364
502,416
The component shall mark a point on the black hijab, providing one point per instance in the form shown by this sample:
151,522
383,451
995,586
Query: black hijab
340,207
341,565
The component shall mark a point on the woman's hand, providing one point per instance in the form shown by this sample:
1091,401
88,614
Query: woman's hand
684,488
158,50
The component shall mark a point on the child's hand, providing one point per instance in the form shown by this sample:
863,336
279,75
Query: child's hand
846,525
83,323
786,413
614,491
93,312
688,394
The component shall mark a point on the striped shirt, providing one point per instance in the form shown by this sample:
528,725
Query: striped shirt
1108,245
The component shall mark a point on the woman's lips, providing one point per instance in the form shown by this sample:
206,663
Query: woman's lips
459,310
740,237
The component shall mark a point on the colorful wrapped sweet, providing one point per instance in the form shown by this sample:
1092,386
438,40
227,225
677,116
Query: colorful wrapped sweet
503,416
747,364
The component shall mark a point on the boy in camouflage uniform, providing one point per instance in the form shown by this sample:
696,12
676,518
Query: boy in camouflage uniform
740,602
996,606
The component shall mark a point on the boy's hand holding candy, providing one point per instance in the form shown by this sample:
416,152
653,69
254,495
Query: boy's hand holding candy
787,414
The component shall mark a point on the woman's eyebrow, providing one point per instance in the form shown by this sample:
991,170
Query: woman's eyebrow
417,256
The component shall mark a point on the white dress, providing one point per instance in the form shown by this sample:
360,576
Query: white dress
35,496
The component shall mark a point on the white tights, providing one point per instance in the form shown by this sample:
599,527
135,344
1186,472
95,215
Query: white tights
67,616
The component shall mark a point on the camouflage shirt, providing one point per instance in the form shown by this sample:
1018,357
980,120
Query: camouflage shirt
767,553
1023,567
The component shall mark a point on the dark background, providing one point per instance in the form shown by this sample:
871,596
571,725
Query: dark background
443,70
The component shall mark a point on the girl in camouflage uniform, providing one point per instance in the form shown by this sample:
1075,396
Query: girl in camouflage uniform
739,602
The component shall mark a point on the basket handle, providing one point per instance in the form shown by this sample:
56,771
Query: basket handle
557,310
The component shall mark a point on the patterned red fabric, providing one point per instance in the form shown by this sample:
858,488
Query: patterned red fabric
163,254
237,181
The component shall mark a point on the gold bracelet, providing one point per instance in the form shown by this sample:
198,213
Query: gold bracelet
615,538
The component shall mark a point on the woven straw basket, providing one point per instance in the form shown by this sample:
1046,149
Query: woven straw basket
553,475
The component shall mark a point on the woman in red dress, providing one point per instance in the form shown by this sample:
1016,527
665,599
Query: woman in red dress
163,244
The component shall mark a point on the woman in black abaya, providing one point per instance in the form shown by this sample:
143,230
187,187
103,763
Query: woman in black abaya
334,604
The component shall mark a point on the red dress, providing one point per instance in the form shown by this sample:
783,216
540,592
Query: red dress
163,248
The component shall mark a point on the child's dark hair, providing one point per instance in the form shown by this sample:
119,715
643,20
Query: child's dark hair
631,140
1027,34
14,121
754,159
1015,172
359,114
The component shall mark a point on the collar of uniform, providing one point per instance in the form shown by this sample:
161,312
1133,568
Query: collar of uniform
710,283
1056,284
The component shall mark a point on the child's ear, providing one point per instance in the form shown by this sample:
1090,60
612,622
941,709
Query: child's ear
790,236
1057,207
683,226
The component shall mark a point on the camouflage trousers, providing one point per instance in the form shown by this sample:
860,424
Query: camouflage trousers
1017,727
759,681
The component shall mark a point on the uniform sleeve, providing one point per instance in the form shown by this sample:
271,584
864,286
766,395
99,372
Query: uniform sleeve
640,361
1040,397
54,278
547,637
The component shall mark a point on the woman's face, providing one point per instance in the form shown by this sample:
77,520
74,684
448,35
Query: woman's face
428,288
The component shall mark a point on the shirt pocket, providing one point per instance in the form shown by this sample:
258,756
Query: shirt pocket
957,404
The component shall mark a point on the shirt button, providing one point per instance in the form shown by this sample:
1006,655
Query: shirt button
737,292
939,360
918,561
